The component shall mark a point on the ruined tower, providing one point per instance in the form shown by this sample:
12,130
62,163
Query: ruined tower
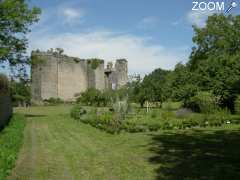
121,72
57,76
54,75
96,74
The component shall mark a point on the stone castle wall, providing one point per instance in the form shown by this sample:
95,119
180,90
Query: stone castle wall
60,76
121,69
96,74
72,77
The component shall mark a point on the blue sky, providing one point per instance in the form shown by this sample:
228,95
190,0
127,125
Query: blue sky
150,34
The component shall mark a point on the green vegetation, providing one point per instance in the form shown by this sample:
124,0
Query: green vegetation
94,97
11,139
53,101
4,85
58,147
202,102
213,70
138,120
95,63
15,19
37,60
21,93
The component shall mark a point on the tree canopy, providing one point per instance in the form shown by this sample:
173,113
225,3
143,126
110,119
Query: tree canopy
15,19
213,66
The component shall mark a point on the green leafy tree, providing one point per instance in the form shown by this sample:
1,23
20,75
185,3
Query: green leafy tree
153,86
215,58
15,19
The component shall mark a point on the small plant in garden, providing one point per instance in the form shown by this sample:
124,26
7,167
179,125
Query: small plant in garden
77,112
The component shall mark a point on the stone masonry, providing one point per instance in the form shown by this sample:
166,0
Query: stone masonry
60,76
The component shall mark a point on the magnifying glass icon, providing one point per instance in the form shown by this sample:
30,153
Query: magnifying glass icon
232,5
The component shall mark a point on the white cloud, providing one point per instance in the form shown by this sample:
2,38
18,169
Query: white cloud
142,57
72,15
198,18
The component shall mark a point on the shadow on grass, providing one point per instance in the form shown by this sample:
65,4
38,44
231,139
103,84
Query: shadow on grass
197,155
34,115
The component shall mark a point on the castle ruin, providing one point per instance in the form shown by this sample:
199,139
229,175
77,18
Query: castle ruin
54,75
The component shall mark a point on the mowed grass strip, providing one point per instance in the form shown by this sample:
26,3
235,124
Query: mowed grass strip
11,139
58,147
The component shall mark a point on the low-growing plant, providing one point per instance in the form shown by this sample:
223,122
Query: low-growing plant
77,112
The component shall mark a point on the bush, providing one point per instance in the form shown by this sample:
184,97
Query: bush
203,102
21,93
77,112
11,139
53,101
94,97
217,119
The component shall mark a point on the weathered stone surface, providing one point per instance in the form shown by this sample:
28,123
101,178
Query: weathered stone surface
60,76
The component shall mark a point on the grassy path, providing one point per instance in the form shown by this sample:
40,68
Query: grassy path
57,147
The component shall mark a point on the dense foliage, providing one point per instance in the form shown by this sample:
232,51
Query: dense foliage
214,67
21,93
15,18
94,97
11,139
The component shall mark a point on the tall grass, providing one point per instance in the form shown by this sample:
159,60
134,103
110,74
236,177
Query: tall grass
11,139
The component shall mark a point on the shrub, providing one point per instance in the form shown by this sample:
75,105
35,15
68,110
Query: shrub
53,101
217,119
94,97
203,102
21,93
77,112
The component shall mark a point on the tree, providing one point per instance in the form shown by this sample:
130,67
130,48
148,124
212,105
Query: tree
215,58
15,19
153,86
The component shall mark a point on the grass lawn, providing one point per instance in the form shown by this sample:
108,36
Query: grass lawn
58,147
11,139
